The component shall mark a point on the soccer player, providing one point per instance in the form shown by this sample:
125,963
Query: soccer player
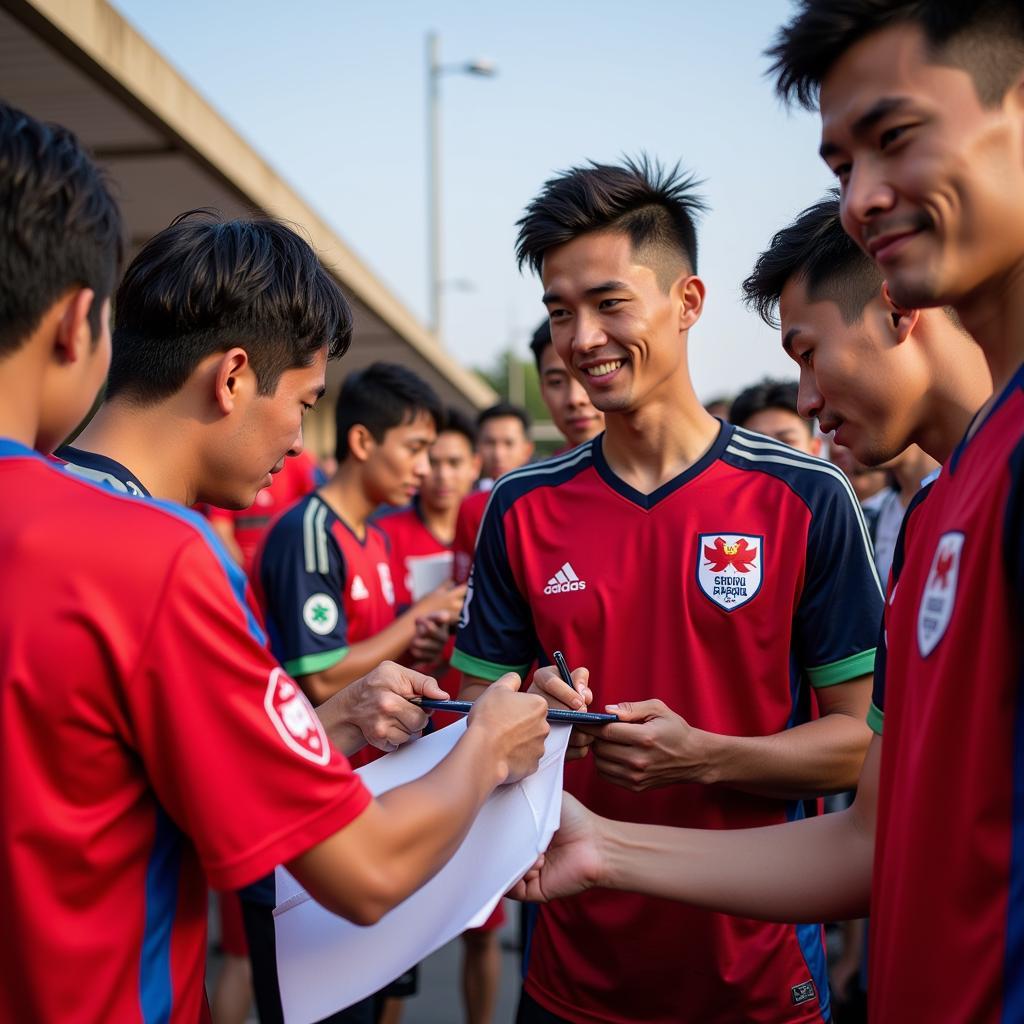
426,527
769,408
149,741
715,583
922,121
502,440
570,407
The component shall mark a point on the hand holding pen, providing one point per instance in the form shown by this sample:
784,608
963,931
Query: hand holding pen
562,688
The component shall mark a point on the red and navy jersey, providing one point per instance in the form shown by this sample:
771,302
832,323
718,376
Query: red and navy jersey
149,744
321,587
730,593
297,478
947,905
467,527
100,470
409,539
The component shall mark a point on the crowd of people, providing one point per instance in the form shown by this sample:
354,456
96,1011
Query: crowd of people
203,631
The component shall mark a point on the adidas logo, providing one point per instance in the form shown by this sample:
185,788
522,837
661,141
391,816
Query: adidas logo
564,581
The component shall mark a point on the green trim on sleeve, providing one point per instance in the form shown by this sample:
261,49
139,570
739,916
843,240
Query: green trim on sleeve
853,667
876,719
488,670
310,663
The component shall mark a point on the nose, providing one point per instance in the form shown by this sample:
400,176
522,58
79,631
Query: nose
865,196
421,467
808,400
577,396
589,334
296,447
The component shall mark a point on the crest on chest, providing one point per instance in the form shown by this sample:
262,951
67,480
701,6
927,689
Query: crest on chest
939,598
730,568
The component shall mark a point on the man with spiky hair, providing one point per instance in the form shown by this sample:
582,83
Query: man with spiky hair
715,583
922,112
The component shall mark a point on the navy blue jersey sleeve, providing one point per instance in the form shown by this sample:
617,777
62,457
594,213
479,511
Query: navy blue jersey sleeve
1014,529
496,633
302,575
836,624
876,713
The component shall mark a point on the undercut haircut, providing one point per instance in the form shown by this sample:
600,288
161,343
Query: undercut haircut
456,422
817,251
656,208
504,410
206,285
983,37
381,397
767,394
540,341
60,227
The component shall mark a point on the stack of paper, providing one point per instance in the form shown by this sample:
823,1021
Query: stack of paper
325,963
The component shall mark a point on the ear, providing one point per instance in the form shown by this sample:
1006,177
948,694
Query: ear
903,320
689,292
74,337
360,442
228,380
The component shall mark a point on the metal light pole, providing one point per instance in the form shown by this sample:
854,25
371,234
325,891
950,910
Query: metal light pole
435,69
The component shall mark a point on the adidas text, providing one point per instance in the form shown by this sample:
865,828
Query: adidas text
564,588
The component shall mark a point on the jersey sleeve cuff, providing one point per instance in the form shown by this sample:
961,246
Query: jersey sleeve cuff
310,663
876,719
488,670
853,667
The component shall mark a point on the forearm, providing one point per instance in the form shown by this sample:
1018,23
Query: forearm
344,736
813,759
472,687
813,870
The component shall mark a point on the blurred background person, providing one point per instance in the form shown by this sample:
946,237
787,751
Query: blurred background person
502,441
769,408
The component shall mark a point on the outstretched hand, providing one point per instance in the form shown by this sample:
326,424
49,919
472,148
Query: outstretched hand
573,861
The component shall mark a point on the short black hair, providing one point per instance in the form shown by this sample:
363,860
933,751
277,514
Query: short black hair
656,208
984,37
457,422
504,410
204,285
540,341
60,227
816,250
766,394
381,397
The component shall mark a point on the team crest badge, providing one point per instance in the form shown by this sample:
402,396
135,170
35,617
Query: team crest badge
294,719
730,567
320,613
936,608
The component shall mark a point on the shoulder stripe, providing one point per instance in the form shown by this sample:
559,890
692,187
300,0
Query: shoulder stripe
323,565
784,456
308,548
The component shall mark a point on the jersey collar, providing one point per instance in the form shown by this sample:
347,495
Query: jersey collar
1016,381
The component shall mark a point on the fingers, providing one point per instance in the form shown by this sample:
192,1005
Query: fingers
509,681
407,682
638,711
579,745
550,685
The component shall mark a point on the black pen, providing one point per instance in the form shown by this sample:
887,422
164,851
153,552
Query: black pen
563,670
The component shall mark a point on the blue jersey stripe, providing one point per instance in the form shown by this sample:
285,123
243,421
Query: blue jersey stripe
1013,957
156,991
236,578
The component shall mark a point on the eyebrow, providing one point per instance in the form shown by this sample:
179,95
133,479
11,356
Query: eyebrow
787,340
880,109
598,289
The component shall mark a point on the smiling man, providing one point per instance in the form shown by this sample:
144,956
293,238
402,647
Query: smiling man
922,109
716,584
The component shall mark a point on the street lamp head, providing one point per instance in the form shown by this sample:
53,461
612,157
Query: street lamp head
483,67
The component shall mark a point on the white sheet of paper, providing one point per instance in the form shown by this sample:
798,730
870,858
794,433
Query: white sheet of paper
325,963
428,572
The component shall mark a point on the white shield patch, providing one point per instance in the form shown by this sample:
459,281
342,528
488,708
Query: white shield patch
730,567
294,719
936,607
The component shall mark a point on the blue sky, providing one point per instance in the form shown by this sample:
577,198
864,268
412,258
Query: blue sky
332,94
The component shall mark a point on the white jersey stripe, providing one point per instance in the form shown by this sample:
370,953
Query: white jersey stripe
783,457
323,564
308,547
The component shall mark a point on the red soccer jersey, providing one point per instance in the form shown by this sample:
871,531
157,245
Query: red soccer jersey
321,587
947,905
148,743
409,539
467,526
296,479
730,593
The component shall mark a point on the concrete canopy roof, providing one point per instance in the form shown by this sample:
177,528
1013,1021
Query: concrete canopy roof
79,63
